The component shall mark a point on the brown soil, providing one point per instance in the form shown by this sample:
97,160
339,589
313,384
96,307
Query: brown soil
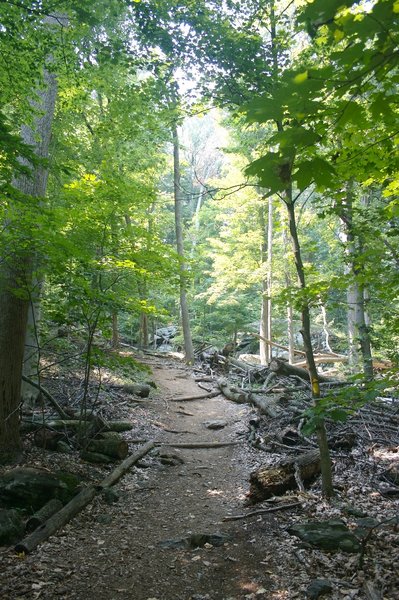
114,551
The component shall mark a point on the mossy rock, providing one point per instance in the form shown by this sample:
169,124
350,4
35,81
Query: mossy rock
332,535
30,488
11,526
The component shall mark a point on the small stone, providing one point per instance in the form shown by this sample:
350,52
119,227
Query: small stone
329,535
217,424
104,519
317,588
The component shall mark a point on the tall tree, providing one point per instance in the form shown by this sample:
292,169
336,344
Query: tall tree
17,270
185,317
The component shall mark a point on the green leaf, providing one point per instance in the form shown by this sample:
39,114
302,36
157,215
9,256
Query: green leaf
263,109
315,170
272,170
352,112
338,414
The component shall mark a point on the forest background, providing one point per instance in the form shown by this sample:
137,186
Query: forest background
231,162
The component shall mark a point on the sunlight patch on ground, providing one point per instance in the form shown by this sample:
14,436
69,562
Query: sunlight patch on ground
215,492
391,453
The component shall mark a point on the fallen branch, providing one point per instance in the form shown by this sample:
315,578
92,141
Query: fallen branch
261,511
204,387
77,503
47,395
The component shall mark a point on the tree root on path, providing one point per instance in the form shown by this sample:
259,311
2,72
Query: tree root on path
261,511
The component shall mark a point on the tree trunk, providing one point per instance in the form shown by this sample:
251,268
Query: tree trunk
29,393
325,459
16,273
115,342
188,344
358,322
290,312
265,329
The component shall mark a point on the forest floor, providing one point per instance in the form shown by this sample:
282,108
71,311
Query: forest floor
133,549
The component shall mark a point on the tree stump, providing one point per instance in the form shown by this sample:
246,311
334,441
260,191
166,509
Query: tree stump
268,481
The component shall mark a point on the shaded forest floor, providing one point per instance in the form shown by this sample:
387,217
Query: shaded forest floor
136,548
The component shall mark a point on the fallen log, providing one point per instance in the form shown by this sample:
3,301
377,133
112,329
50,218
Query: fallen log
268,481
39,517
265,405
137,389
113,447
74,424
281,367
55,522
96,457
232,393
125,466
196,397
59,519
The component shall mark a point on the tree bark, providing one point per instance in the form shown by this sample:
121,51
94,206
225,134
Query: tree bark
115,342
268,481
265,330
325,459
185,318
16,272
358,325
30,393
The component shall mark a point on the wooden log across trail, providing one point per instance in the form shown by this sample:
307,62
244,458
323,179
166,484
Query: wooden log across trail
268,481
281,367
59,519
196,397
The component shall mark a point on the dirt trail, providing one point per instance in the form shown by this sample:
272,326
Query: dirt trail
115,551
